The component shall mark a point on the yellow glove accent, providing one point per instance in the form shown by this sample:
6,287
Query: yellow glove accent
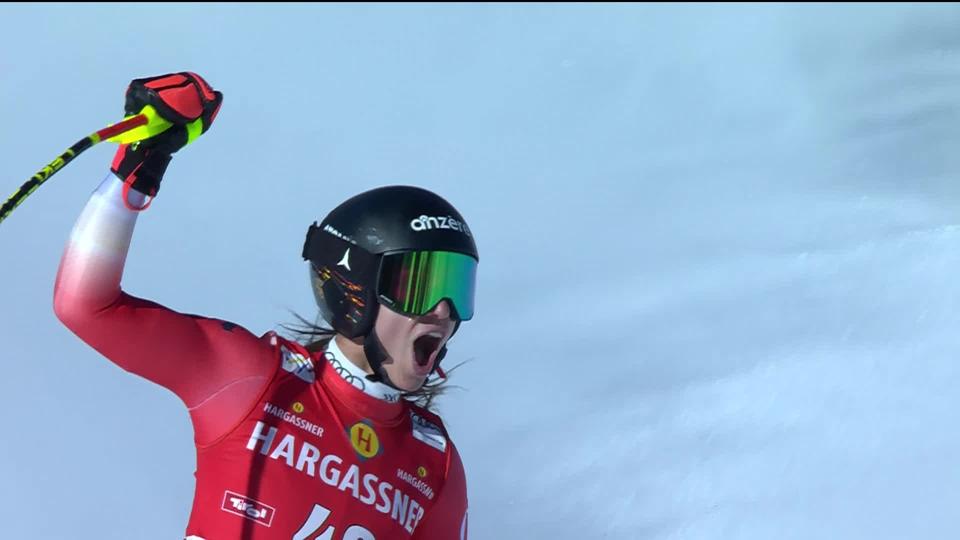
156,125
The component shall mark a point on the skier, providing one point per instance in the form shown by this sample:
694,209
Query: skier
294,441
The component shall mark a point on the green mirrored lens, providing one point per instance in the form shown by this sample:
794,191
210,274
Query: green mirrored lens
415,282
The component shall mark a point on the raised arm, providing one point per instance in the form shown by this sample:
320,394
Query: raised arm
218,369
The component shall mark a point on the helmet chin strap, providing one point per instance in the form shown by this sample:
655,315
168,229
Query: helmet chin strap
377,356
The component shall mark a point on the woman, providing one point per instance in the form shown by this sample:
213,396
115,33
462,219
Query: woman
297,442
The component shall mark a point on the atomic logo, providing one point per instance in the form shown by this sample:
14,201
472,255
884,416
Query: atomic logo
345,261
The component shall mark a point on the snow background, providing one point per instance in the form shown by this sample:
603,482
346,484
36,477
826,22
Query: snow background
718,282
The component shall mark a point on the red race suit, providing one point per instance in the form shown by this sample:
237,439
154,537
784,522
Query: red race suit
289,446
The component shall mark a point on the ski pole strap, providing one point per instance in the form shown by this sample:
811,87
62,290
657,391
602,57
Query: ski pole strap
127,185
79,147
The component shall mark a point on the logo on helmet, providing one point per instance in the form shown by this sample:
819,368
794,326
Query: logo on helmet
345,261
426,223
338,234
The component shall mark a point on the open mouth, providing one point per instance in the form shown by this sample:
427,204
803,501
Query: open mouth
425,348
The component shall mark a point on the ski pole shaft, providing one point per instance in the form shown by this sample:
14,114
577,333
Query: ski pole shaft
82,145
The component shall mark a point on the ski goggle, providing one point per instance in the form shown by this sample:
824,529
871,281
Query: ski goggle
414,282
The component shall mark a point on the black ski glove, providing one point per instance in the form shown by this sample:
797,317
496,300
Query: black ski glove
185,100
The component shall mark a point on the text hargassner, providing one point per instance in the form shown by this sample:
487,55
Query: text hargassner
307,458
426,223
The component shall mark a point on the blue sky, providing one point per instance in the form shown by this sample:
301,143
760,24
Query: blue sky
718,251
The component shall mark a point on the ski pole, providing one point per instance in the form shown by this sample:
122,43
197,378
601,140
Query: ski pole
131,129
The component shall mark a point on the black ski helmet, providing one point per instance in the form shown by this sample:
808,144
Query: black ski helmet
347,248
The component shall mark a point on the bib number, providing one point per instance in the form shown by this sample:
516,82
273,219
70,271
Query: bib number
314,523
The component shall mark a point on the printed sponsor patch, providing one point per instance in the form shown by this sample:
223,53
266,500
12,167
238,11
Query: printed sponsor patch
292,418
251,509
417,481
428,432
389,498
298,364
364,440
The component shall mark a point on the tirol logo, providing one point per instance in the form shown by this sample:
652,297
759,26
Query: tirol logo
426,223
364,440
246,507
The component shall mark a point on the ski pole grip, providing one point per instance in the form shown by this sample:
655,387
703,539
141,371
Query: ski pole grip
155,125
